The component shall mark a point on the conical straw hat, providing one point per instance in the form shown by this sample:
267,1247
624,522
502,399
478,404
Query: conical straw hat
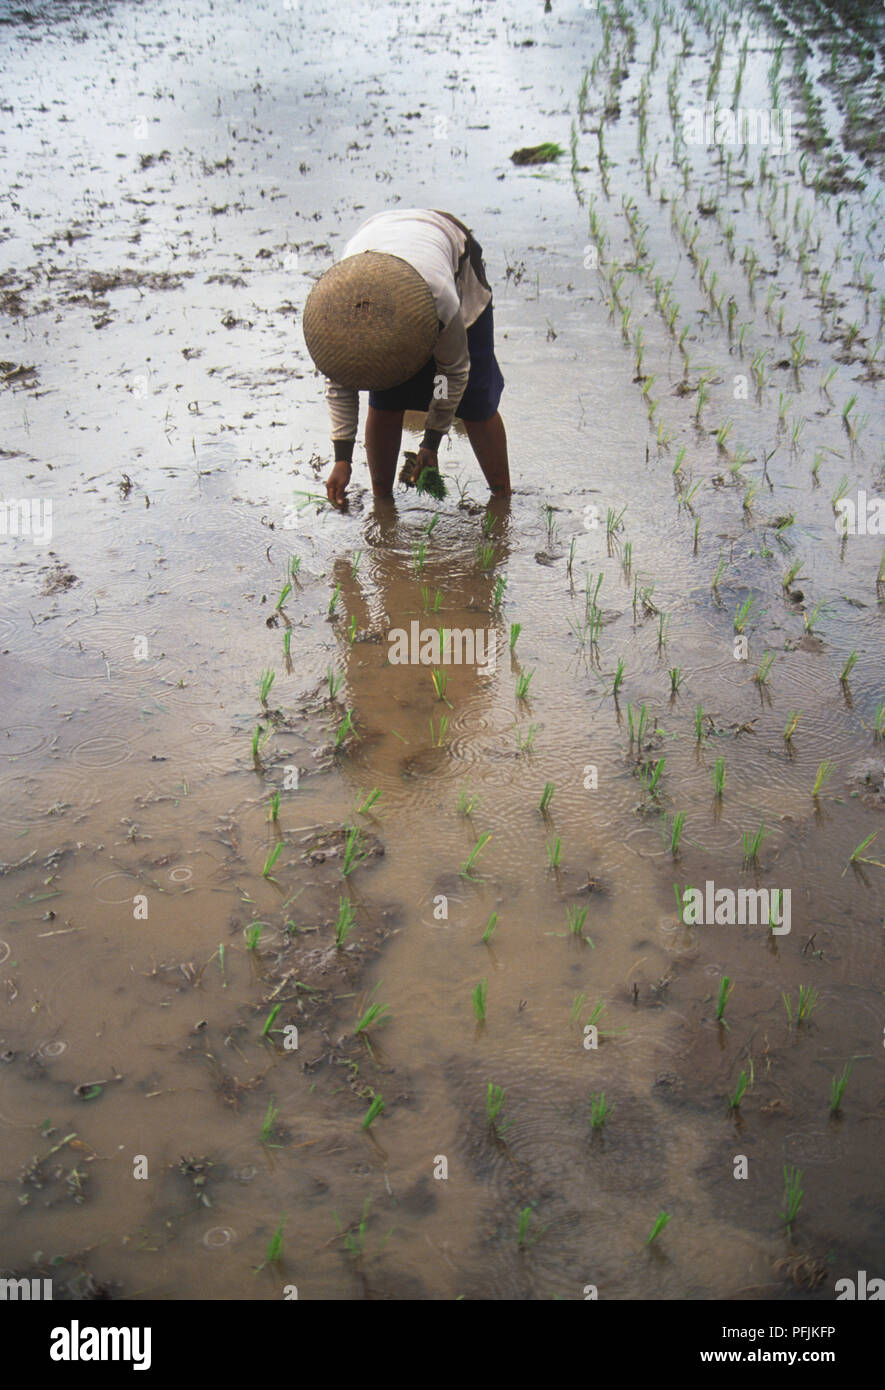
370,321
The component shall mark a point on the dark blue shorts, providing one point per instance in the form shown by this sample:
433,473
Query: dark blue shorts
484,385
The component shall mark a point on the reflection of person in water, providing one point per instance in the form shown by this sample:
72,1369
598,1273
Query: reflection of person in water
385,597
407,316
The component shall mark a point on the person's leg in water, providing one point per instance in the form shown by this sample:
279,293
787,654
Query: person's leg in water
384,432
488,439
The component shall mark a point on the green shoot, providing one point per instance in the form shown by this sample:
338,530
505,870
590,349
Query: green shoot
479,995
793,1195
600,1110
725,988
660,1222
346,921
475,853
837,1088
374,1110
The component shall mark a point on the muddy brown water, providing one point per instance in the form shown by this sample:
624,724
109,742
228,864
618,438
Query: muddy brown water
157,390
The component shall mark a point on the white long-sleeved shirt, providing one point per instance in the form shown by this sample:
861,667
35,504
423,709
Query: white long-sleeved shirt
434,245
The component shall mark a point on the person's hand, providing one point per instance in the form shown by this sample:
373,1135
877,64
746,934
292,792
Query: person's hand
427,458
336,483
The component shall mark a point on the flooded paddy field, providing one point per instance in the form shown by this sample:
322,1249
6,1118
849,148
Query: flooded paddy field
256,879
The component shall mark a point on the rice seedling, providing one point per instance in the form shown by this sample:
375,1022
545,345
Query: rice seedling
438,736
479,996
267,680
841,491
284,594
272,858
793,1195
848,668
354,1242
744,1080
522,685
351,629
287,641
837,1088
267,1128
600,1110
718,775
546,797
475,853
252,934
269,1021
791,724
486,556
699,722
637,729
368,802
515,630
554,852
791,574
810,620
345,923
676,678
354,853
526,744
576,917
274,807
294,566
752,844
614,521
751,492
333,601
856,857
804,1007
274,1252
494,1106
345,728
723,432
440,681
676,831
375,1015
720,569
744,613
490,929
374,1110
437,599
650,775
571,555
726,986
879,722
524,1236
663,625
660,1222
500,582
763,670
333,680
466,801
618,677
824,773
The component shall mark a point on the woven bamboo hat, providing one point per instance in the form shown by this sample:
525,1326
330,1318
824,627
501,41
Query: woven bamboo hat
370,321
